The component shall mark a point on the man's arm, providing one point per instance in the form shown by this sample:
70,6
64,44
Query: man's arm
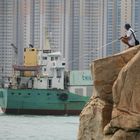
124,37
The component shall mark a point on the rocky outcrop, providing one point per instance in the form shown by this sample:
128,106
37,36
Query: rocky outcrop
113,113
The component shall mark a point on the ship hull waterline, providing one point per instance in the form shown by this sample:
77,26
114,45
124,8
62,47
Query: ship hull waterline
41,112
41,102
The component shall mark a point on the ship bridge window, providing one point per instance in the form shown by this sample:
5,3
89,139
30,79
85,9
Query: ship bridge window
56,58
52,58
44,58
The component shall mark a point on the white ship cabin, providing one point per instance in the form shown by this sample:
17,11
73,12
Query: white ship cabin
51,74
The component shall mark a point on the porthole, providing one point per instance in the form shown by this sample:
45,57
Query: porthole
12,93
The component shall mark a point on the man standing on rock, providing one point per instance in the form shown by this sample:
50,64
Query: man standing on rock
129,38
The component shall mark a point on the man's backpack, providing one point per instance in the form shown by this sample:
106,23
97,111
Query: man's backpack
136,41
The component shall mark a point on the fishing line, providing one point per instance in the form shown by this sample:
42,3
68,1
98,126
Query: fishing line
94,49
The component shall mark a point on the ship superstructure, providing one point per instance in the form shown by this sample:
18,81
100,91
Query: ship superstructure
42,69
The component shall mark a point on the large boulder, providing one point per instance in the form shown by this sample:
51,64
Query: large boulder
92,119
97,120
126,96
105,71
123,135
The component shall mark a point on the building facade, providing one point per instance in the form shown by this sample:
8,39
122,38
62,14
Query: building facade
81,83
82,30
7,37
111,26
94,31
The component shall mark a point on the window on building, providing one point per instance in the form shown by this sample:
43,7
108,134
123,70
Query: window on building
49,83
63,64
58,73
52,58
56,58
44,58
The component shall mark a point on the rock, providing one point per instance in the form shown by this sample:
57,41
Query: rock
108,129
93,119
105,71
122,135
126,93
116,86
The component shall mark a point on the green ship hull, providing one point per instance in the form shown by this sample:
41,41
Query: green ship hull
41,102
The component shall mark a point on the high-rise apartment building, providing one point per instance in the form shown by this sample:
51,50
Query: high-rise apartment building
94,31
38,22
136,19
91,34
22,27
24,22
46,19
72,34
100,24
7,38
82,30
55,24
111,26
86,32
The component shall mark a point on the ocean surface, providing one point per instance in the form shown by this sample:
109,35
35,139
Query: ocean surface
34,127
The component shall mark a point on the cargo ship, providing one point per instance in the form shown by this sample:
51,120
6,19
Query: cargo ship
40,86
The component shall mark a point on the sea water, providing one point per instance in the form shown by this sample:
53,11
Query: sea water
34,127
